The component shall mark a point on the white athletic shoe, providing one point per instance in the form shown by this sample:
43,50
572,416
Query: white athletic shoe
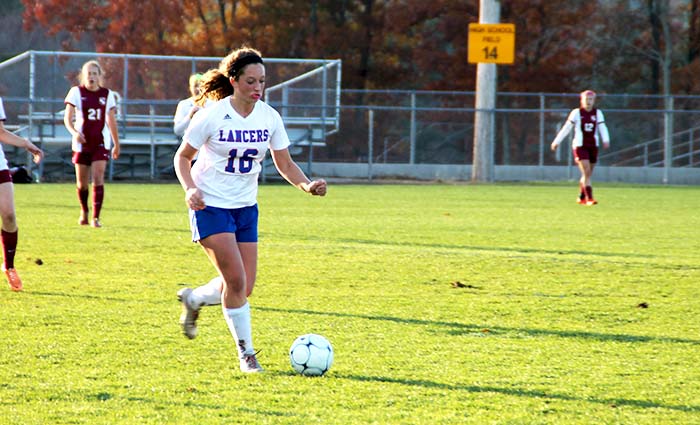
249,364
188,318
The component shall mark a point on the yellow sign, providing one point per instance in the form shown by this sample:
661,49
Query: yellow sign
491,43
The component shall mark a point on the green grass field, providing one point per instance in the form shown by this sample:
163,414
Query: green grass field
445,304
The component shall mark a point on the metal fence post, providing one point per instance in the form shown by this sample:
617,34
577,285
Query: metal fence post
668,138
32,76
152,113
412,130
285,101
370,143
646,155
125,87
541,158
492,142
569,154
690,148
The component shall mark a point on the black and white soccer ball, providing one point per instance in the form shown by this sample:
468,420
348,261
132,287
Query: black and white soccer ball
311,355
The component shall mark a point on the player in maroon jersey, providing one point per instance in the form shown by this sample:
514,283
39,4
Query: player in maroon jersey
7,202
89,106
589,130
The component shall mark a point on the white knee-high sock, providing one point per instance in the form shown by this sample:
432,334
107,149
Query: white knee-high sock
239,324
207,294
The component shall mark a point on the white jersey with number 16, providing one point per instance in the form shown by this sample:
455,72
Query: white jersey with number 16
231,150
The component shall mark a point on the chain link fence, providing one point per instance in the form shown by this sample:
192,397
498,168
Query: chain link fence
328,124
438,128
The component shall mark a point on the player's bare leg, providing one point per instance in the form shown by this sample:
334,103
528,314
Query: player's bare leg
98,181
225,254
210,293
82,181
249,255
194,299
9,235
586,169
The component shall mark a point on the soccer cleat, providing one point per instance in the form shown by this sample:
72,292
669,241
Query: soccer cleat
83,221
96,223
581,201
13,279
249,364
188,318
591,202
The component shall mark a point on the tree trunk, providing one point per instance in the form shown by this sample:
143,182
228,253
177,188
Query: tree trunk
694,31
655,63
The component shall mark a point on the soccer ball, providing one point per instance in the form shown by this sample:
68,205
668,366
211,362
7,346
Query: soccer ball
311,355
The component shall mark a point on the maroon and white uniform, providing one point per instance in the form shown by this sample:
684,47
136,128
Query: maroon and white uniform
91,108
3,161
589,128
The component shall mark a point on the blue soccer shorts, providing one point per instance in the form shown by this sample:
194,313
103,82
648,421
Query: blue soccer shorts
212,220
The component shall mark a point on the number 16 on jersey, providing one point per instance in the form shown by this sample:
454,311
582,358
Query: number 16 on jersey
491,43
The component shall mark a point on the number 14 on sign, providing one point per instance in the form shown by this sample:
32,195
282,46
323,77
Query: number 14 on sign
491,43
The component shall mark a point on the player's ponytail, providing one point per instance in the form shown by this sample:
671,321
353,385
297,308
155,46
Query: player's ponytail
215,86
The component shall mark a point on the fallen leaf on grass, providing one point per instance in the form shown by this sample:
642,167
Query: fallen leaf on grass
458,284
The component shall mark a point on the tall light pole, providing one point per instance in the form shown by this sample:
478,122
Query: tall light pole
484,118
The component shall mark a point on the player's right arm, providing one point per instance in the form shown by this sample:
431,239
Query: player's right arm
195,137
183,169
14,140
68,121
566,129
72,99
181,119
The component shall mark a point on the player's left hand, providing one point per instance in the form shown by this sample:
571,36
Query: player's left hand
194,199
317,187
37,154
115,152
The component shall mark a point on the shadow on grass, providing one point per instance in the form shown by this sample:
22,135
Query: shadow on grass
229,409
520,393
49,206
81,296
151,229
522,250
455,328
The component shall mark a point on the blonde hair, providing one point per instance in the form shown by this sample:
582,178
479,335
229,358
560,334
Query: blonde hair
194,82
84,71
215,84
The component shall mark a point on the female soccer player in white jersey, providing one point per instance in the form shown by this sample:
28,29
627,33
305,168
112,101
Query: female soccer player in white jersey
91,111
186,108
7,204
589,128
231,138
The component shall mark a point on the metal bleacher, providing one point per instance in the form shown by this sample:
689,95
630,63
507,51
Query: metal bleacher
308,98
147,145
650,153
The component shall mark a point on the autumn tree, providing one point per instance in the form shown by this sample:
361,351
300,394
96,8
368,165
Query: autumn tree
116,26
405,44
645,45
